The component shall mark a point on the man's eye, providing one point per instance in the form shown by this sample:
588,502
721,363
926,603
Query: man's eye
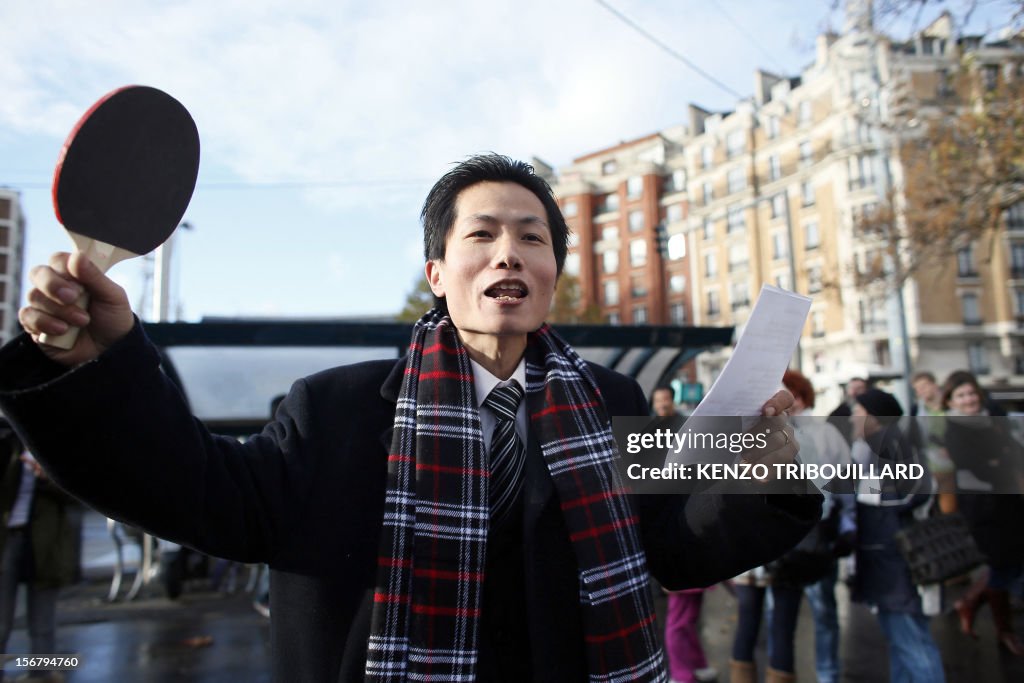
480,233
534,238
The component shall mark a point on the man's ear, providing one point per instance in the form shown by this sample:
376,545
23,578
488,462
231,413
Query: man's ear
433,272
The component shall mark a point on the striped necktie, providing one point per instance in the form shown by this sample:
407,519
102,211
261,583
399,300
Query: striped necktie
507,451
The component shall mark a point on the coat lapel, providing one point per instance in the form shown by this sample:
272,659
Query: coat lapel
389,392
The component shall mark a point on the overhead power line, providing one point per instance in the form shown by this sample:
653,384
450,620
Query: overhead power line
671,51
267,185
743,32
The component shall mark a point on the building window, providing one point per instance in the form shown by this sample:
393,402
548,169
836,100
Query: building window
710,265
990,76
1018,298
613,318
707,156
779,205
676,182
609,167
862,173
804,113
814,284
780,247
637,253
677,247
572,264
674,213
677,314
639,315
738,257
609,233
811,238
607,203
677,284
735,143
709,193
713,305
965,262
636,221
806,153
574,240
972,312
977,358
1015,217
638,287
1017,260
5,236
734,218
782,281
736,179
634,187
774,167
740,295
772,129
709,228
807,193
611,292
570,209
610,261
818,324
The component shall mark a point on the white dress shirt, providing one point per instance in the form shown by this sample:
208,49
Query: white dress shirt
484,382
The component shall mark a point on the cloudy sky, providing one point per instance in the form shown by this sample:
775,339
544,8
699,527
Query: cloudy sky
323,124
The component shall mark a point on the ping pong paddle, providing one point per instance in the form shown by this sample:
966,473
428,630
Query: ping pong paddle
124,179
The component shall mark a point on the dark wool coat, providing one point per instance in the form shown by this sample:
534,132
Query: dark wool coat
307,496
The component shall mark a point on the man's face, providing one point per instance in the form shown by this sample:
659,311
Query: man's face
855,388
498,274
663,404
926,390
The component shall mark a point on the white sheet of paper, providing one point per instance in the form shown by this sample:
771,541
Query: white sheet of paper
754,371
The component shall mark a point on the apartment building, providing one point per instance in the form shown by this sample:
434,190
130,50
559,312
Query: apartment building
12,247
773,192
626,206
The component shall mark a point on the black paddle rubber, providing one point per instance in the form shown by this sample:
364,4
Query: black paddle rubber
128,169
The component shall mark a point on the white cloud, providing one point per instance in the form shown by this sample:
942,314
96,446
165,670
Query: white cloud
336,91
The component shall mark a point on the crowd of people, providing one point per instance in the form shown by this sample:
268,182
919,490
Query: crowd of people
973,467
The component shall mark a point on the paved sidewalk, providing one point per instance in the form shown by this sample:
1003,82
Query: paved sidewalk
210,637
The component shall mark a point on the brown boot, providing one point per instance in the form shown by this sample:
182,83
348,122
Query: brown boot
742,672
776,676
1000,602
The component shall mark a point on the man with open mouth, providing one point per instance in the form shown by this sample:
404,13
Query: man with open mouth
456,515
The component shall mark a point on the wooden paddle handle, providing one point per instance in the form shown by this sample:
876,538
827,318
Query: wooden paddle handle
67,340
104,256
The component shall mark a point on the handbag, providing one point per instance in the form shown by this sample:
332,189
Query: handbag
938,548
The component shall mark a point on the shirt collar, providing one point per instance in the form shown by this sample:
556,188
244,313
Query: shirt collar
484,382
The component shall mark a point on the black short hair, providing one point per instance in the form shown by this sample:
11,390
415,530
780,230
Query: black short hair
438,214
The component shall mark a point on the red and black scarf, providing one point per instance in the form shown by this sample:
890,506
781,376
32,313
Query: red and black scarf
426,613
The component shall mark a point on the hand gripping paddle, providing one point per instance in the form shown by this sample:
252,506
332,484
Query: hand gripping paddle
124,179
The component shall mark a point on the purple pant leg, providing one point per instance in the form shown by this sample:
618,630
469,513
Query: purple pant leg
682,641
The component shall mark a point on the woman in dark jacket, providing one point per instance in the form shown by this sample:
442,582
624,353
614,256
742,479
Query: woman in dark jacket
883,577
988,470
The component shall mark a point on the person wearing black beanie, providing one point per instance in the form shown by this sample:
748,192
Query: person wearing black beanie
881,405
883,578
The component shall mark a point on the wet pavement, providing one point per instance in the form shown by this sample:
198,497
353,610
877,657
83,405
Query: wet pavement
209,636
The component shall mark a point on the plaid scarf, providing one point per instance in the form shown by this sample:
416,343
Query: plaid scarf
426,613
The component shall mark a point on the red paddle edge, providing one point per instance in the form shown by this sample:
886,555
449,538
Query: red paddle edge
70,139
